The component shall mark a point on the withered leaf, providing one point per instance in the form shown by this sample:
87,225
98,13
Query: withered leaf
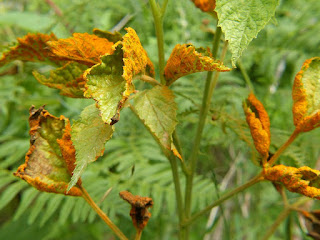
50,160
303,180
259,124
306,96
139,209
185,59
32,47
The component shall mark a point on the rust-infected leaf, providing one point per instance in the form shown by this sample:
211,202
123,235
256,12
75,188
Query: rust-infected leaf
82,48
259,124
139,209
68,79
306,96
110,82
303,180
185,59
50,160
32,47
205,5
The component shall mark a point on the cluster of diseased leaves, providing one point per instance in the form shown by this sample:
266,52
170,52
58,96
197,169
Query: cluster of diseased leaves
101,66
306,117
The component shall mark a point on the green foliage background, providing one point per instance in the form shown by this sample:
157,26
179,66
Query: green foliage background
132,159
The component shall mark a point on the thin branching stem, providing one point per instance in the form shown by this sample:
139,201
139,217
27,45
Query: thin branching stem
245,76
225,197
103,216
138,234
208,91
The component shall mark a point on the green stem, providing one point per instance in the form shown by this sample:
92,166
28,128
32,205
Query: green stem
208,91
158,22
245,76
225,197
103,216
283,216
282,148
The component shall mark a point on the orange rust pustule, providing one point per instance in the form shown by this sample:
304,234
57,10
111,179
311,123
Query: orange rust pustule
259,124
297,180
205,5
139,208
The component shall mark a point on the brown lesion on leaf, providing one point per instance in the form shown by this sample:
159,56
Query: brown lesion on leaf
139,209
46,168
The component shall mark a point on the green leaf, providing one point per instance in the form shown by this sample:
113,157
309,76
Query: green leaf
112,37
157,109
67,78
40,203
241,21
89,135
105,84
27,198
11,191
52,206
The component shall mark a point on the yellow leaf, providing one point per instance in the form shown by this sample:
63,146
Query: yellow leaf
186,59
82,48
299,180
259,124
306,96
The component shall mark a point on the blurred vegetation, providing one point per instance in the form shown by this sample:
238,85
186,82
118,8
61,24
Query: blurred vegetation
227,158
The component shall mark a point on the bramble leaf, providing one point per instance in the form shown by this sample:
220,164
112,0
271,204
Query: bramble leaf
51,157
157,109
259,124
89,135
32,47
68,79
110,82
82,48
185,59
241,21
303,180
306,96
205,5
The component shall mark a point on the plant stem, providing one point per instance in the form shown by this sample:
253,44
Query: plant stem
104,217
138,235
245,76
283,216
282,148
158,23
228,195
208,91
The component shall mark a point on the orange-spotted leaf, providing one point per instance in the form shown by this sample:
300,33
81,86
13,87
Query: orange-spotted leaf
81,47
205,5
68,79
186,59
303,180
32,47
50,160
306,96
110,82
259,124
139,212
